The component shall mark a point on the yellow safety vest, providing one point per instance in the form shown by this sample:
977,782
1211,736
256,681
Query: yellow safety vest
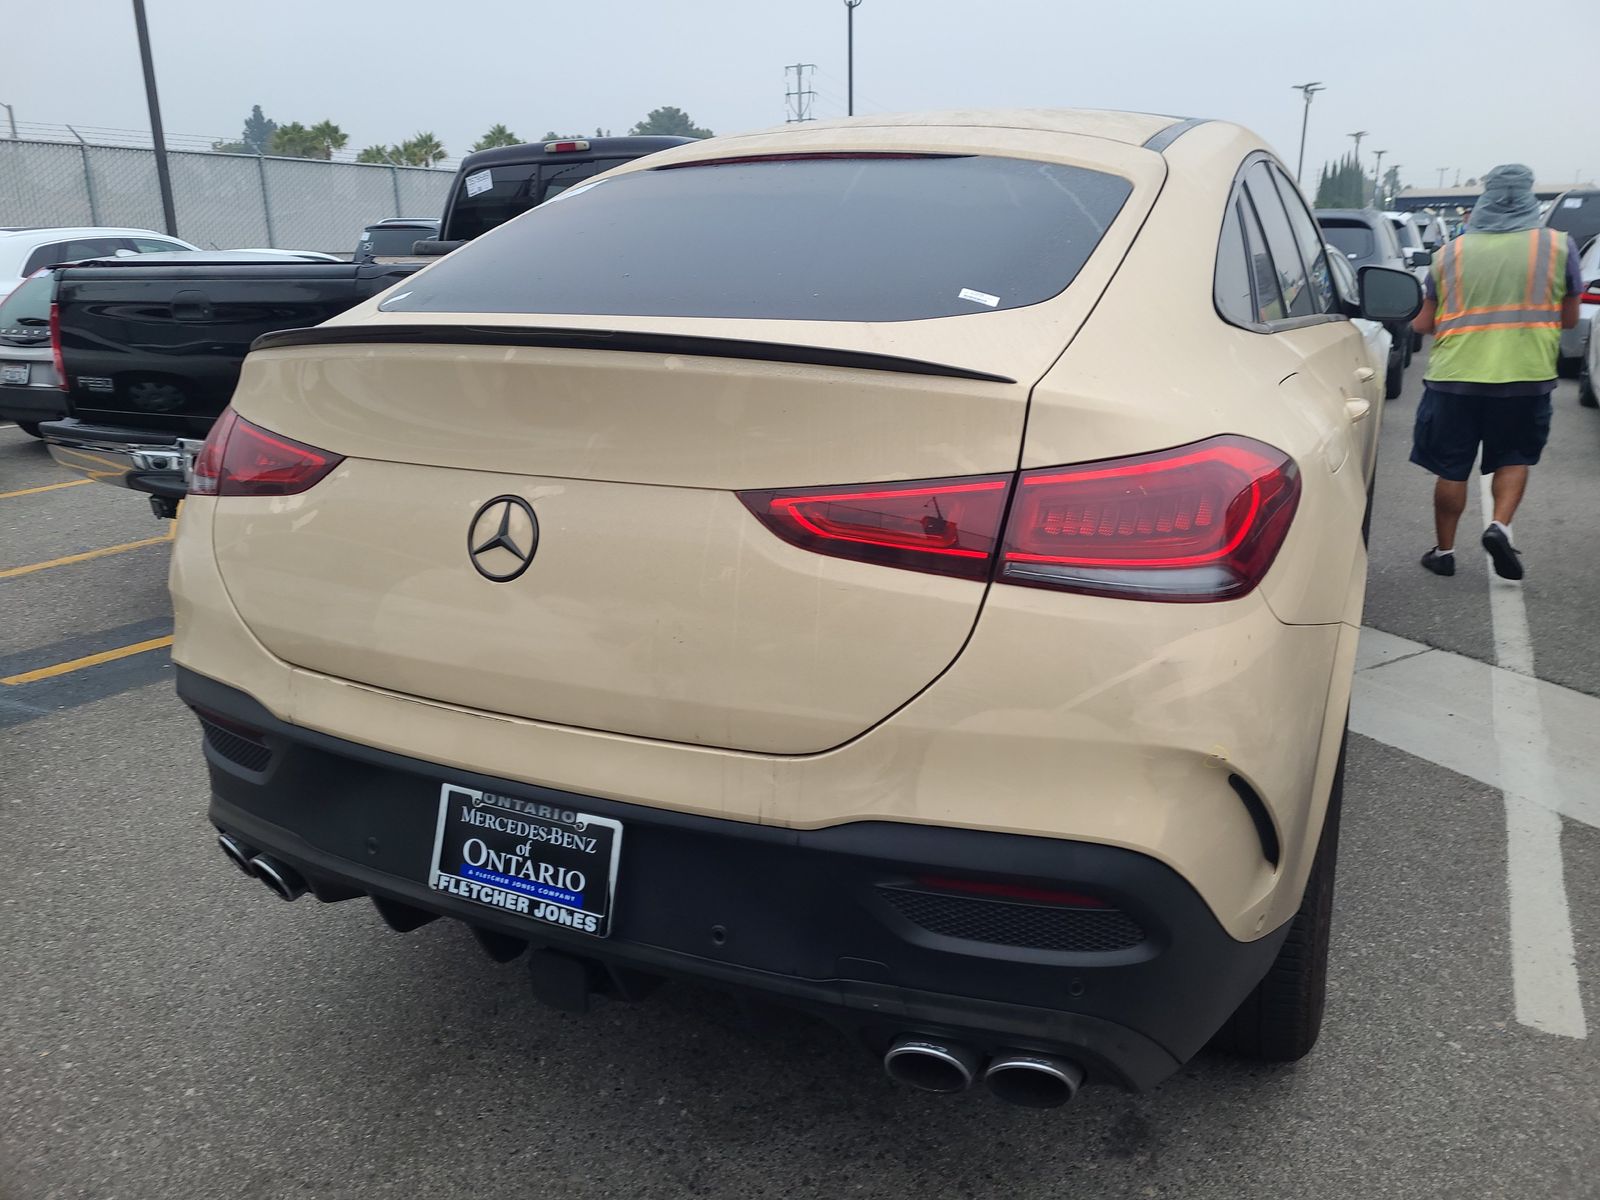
1499,314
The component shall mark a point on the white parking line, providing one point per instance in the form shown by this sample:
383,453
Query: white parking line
1543,958
1534,741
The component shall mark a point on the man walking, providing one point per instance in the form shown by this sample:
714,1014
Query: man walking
1498,298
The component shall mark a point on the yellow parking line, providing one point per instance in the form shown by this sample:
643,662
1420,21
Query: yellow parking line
48,487
88,660
12,572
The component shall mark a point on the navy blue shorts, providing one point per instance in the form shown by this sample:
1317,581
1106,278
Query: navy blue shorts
1511,429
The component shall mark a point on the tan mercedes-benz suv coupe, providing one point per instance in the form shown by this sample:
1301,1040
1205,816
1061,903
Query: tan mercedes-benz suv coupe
906,567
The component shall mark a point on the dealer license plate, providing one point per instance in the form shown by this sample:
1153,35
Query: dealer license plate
540,861
14,373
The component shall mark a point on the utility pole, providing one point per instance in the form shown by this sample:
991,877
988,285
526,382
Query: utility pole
1394,171
163,176
11,116
1377,177
797,103
850,56
1307,90
1441,171
1357,135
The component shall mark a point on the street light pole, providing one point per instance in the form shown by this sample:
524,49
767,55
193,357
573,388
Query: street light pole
850,56
1307,90
11,117
163,176
1357,135
1377,176
1441,171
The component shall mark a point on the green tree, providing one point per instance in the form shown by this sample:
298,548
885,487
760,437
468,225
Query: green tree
258,131
1343,185
670,120
328,137
376,154
255,139
423,150
498,135
293,140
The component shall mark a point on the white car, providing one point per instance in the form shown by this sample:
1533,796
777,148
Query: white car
1576,341
24,251
1590,372
1374,335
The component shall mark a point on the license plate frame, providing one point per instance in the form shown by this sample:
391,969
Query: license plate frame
14,374
541,863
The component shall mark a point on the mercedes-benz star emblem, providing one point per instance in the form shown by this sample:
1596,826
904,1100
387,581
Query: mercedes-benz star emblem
502,538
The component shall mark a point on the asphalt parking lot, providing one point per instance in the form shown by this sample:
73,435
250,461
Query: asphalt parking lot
169,1029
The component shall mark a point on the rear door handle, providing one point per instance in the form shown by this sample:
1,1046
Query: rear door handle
1365,373
1357,409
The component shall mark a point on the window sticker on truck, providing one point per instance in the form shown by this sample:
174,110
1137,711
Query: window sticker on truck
479,182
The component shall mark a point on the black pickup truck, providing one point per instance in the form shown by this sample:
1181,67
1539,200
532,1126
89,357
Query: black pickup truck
150,351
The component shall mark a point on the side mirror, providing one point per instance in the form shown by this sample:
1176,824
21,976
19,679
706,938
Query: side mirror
1389,295
432,248
1418,258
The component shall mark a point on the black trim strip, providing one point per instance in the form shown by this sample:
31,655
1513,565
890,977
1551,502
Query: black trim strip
612,339
1160,140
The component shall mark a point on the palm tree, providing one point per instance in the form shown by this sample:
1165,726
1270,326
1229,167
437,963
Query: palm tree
498,135
422,151
377,154
328,137
293,140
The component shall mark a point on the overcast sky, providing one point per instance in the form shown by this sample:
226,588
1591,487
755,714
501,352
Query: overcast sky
1454,85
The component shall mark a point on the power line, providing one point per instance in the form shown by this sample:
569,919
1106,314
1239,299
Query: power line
798,101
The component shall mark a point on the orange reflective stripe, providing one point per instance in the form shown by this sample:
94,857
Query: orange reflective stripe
1558,263
1494,308
1465,329
1441,279
1455,264
1535,243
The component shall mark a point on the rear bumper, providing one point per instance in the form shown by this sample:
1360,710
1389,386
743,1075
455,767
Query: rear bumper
815,918
154,463
32,404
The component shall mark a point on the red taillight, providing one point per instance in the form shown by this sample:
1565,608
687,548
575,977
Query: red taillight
242,459
55,345
1200,522
1011,891
1591,295
945,526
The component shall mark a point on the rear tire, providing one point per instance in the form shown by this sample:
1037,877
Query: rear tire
1279,1021
1568,368
1586,392
31,428
1416,342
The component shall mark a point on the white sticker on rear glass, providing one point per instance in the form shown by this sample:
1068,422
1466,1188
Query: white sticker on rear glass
978,297
1572,202
479,181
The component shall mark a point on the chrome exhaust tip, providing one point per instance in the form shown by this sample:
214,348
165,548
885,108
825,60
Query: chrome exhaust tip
238,853
1033,1080
285,881
931,1066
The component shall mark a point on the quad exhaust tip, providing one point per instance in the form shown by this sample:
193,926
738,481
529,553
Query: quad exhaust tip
931,1066
1033,1080
285,881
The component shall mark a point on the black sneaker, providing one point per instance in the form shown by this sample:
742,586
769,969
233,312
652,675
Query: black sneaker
1439,564
1507,558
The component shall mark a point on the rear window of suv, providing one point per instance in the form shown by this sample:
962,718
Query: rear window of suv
25,313
1356,240
805,238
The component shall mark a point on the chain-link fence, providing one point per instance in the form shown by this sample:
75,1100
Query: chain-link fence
222,201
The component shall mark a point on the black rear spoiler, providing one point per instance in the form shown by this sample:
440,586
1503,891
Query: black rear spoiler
612,339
